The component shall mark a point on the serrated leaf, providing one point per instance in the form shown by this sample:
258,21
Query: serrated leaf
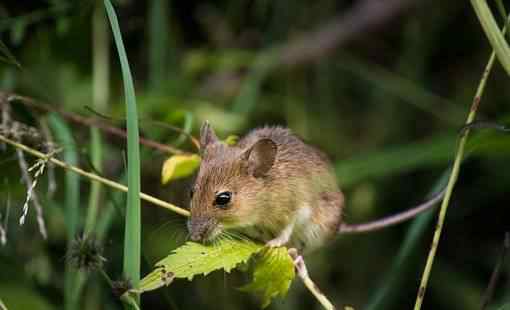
193,259
272,275
179,166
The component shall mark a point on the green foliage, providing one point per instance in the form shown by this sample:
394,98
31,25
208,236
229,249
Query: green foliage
132,234
15,297
179,166
231,140
7,57
272,275
387,117
193,259
273,269
493,32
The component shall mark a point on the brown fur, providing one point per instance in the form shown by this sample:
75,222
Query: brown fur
275,178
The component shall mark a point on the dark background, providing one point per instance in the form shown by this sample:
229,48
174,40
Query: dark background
384,97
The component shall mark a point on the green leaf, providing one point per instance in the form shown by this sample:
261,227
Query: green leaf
132,234
193,259
179,166
231,140
272,275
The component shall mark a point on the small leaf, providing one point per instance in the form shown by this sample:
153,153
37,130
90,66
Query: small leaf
272,275
179,166
231,140
197,259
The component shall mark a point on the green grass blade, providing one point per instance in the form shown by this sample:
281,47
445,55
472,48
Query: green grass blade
493,32
159,47
392,279
8,56
249,92
395,160
132,238
72,200
100,89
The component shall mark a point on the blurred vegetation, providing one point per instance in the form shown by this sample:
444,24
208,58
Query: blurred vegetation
386,104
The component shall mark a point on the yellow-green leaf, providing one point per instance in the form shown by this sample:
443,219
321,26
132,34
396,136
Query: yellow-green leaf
231,140
272,275
197,259
179,166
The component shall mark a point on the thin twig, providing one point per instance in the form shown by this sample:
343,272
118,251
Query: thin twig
179,130
489,292
89,121
94,177
302,272
451,183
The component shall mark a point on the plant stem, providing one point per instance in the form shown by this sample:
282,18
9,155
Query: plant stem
451,183
95,177
312,287
88,121
100,92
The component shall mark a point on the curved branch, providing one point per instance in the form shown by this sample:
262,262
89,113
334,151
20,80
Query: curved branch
86,121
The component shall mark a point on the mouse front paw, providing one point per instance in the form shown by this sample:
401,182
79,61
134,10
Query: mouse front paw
276,242
282,238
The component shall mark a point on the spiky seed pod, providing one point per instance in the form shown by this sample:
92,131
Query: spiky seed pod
85,253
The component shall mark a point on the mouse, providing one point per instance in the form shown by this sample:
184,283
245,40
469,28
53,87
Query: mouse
270,186
274,188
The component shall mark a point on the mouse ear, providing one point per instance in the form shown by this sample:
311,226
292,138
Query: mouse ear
260,157
207,135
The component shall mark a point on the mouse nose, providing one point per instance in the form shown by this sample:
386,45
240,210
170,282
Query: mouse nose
198,228
197,237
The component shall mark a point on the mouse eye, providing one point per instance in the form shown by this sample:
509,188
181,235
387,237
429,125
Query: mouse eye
222,199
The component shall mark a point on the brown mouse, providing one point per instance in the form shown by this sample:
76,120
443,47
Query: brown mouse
272,187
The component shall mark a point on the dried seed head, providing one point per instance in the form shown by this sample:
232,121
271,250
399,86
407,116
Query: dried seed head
120,287
85,253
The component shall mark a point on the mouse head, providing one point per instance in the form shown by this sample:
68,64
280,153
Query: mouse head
227,190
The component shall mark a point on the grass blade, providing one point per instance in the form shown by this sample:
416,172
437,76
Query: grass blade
391,281
436,150
493,32
159,47
132,237
72,201
8,56
100,87
451,183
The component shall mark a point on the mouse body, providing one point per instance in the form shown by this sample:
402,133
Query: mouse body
270,186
